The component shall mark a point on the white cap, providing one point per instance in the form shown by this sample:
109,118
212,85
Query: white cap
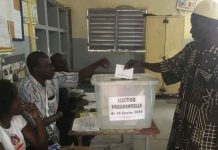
207,8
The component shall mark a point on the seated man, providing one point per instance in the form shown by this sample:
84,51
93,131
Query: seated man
65,105
41,87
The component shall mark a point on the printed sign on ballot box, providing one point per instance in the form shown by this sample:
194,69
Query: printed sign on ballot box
126,108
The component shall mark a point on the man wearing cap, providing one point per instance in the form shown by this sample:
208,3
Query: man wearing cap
195,125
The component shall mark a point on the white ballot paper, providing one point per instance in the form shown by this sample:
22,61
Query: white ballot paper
120,72
85,124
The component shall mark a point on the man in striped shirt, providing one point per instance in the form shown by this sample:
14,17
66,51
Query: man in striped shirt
41,87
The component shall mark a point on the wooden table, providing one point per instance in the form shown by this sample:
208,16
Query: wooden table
153,130
75,148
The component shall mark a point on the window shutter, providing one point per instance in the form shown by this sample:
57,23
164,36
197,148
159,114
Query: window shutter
101,29
116,29
130,30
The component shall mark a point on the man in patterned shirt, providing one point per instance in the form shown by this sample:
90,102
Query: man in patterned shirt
195,124
41,87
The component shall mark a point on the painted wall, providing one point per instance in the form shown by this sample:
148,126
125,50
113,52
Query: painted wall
81,57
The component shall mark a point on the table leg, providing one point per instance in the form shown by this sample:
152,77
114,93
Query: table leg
132,142
80,141
147,146
122,138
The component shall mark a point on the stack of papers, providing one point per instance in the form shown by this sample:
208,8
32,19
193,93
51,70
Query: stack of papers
85,124
89,96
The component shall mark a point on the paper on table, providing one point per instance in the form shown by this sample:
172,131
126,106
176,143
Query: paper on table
85,124
120,72
91,105
89,97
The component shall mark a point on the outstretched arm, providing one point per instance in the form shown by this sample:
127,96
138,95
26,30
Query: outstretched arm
89,70
155,67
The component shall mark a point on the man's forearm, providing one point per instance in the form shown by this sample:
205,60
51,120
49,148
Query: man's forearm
53,118
88,71
155,67
41,133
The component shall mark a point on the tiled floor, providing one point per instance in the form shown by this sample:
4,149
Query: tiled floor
163,115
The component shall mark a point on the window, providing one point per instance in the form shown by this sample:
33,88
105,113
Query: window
118,29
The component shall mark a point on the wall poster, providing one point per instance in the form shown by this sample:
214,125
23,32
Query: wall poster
188,5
